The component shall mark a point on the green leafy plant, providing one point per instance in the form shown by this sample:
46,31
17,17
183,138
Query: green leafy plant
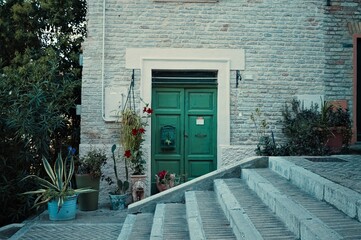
58,187
132,129
122,186
305,129
266,145
340,121
92,163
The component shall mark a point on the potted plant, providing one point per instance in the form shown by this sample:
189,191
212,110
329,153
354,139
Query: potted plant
88,175
132,129
164,180
119,197
339,123
56,191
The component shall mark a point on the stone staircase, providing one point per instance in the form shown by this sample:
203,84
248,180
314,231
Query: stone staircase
283,201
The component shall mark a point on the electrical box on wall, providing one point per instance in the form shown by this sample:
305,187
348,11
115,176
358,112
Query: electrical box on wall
113,100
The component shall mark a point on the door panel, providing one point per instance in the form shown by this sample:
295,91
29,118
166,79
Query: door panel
200,127
191,115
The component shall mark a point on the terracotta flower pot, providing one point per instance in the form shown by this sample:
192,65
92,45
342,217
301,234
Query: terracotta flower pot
138,183
164,186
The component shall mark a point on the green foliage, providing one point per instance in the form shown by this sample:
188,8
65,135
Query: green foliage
122,186
39,86
305,129
92,163
59,185
132,129
38,24
10,185
37,101
266,145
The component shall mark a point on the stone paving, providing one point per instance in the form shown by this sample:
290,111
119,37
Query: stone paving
346,173
106,224
102,224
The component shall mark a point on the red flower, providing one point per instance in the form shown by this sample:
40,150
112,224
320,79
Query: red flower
134,131
162,174
141,130
149,111
144,109
127,154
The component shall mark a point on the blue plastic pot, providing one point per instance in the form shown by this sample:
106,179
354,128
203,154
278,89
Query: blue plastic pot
66,212
118,202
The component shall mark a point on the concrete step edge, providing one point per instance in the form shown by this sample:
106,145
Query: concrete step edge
344,199
242,226
298,219
195,226
127,227
158,222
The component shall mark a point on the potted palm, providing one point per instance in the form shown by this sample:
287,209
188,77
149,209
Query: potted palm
119,197
132,129
88,175
56,190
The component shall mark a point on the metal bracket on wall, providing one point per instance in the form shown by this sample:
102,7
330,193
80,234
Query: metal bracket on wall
130,97
238,77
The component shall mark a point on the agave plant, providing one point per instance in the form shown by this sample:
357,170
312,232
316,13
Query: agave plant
59,186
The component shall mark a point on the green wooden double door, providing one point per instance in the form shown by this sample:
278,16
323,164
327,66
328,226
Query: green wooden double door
184,131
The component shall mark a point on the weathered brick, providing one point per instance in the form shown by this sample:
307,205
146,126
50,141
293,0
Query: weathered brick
291,47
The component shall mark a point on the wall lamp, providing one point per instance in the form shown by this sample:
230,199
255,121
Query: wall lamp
238,77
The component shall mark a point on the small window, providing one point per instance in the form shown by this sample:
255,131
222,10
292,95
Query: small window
188,1
184,77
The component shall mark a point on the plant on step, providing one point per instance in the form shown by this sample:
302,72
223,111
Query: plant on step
122,186
164,180
58,184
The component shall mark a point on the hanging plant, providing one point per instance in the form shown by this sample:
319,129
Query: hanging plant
132,130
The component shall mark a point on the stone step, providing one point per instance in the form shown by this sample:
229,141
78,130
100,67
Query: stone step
206,219
170,222
137,226
249,216
343,198
305,215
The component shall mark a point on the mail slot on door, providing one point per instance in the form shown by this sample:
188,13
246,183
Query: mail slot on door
167,137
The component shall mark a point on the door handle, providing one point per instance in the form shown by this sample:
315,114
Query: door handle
200,135
185,135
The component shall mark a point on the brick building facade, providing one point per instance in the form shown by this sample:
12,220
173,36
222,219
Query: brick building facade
282,49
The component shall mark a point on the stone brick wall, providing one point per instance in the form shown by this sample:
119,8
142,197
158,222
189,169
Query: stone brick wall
292,48
339,49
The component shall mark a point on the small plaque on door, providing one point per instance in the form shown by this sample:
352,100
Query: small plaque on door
200,121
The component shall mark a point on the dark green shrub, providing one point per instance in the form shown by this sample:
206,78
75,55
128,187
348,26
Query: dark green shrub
268,147
305,129
35,119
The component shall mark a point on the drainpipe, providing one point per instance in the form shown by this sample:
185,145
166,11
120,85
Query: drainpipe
103,67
